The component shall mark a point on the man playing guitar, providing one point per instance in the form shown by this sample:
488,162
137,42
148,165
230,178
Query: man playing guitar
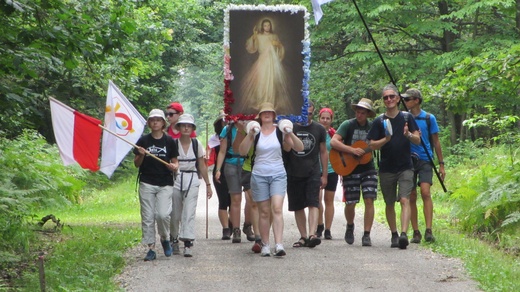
351,157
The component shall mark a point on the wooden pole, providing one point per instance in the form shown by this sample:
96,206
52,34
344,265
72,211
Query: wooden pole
207,186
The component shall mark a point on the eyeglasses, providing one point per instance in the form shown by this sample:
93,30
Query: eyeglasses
171,114
392,96
406,99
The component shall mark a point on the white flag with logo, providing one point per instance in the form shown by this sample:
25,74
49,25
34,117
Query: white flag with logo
122,118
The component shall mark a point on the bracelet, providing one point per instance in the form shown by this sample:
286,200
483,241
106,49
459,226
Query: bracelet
218,169
208,184
441,162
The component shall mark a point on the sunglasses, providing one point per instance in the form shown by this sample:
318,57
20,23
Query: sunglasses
171,114
392,96
408,98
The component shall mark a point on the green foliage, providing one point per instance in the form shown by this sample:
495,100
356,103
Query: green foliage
486,196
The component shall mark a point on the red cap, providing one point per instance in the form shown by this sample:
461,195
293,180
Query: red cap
326,109
176,106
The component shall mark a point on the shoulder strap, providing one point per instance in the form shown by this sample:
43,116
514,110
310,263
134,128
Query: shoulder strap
253,155
350,131
195,146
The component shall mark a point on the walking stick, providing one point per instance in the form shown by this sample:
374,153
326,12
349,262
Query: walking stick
207,186
393,82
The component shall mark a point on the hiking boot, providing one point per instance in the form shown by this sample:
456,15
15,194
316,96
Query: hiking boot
394,241
279,251
236,235
349,235
150,256
403,240
266,250
167,248
248,231
416,237
428,236
319,231
365,240
175,247
187,252
226,233
327,234
257,247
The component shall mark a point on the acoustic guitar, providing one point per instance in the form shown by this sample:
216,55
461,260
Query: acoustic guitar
344,163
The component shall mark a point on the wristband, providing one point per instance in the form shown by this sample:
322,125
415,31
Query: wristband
218,169
208,184
441,162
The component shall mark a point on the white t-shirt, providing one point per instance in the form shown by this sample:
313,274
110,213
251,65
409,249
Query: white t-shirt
268,159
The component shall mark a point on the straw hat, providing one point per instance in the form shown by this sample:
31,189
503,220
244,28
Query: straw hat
366,104
266,107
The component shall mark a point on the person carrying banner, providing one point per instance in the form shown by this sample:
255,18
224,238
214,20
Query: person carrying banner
156,182
268,175
392,132
349,144
423,173
186,188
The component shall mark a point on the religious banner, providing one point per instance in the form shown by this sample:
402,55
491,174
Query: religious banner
266,59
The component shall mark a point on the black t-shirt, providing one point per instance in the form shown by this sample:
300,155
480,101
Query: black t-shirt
152,171
395,154
307,162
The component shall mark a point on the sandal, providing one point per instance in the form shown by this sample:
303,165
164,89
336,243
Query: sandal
313,241
302,242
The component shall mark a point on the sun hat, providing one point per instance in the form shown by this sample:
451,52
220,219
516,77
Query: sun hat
413,92
156,113
176,106
366,104
186,119
266,107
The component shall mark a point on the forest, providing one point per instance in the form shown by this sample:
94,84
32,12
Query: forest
464,55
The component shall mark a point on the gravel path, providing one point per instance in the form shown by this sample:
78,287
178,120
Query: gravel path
332,266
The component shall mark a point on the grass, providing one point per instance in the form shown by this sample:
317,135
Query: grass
90,250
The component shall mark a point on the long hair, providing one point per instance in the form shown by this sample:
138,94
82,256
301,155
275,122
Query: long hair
262,25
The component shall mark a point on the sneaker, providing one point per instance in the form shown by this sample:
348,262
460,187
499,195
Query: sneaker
365,240
248,231
257,247
319,231
416,237
175,247
236,235
167,248
187,252
226,233
428,236
349,235
266,250
150,256
279,251
395,241
403,240
327,234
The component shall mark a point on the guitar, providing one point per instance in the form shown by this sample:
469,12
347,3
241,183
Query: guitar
344,163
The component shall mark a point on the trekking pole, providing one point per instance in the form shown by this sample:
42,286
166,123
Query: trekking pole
400,98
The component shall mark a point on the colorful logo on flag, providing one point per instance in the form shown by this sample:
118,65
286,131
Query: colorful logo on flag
123,117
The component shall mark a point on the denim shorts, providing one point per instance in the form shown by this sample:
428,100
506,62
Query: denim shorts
264,187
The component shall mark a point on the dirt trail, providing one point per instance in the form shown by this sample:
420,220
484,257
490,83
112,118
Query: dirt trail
332,266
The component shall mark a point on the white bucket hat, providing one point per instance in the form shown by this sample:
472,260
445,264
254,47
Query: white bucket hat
186,119
157,113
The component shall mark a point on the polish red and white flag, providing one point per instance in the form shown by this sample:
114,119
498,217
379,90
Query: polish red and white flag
78,135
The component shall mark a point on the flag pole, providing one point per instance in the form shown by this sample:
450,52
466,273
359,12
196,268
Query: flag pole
135,146
392,80
207,186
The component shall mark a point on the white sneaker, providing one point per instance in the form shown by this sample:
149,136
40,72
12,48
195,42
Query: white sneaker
266,250
187,252
279,251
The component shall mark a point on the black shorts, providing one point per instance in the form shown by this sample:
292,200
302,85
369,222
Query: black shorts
332,182
303,192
